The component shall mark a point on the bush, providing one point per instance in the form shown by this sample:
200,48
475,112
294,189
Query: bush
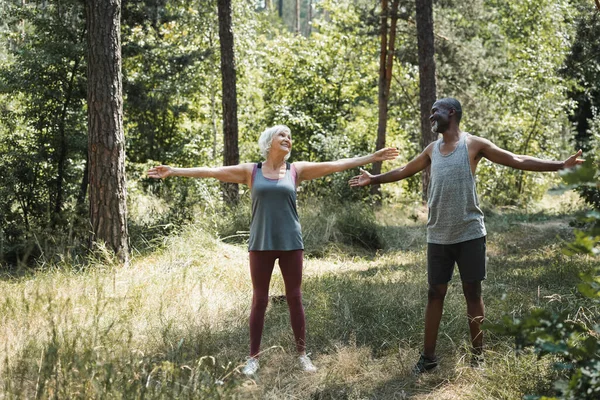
573,341
351,224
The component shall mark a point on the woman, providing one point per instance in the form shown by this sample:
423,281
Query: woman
275,228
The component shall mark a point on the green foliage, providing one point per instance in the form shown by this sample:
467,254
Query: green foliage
327,224
43,141
575,342
165,69
502,60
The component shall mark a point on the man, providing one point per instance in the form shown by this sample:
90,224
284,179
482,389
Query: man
455,229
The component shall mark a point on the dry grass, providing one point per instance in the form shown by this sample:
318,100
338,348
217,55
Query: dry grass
174,324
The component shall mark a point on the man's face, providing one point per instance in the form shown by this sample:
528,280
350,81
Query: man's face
440,117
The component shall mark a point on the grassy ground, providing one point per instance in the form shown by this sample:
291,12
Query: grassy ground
173,324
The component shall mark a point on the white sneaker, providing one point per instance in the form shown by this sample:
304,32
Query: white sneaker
251,366
306,364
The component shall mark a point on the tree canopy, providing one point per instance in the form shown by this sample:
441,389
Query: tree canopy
525,71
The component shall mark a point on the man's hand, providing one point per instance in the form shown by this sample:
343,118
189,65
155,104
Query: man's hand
573,161
389,153
160,172
363,179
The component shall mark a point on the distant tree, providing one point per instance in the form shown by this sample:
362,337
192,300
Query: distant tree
386,62
43,137
310,17
106,144
297,17
229,99
427,91
583,66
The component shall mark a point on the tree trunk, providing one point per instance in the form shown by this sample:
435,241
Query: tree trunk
268,5
62,152
106,140
310,17
230,122
280,9
83,187
297,16
386,62
427,89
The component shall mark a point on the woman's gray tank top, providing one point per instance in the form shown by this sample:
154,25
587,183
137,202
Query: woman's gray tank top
454,213
275,224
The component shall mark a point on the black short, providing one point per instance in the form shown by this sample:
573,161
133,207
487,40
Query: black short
470,257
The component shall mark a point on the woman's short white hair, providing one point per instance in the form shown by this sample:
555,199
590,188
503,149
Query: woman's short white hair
266,138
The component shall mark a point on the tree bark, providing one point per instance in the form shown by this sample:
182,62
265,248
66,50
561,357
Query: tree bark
386,62
106,140
228,72
63,145
427,89
310,17
297,16
280,8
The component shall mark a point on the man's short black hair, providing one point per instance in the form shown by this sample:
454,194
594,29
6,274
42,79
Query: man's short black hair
451,102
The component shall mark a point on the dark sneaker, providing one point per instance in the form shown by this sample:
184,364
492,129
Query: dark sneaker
477,361
425,364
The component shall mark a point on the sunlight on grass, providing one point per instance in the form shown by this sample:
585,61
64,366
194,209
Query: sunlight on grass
174,323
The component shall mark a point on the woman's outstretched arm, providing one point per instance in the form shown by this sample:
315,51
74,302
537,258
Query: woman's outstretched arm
312,170
241,173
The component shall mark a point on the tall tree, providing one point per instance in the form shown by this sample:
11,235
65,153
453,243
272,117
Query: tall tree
229,100
386,62
106,140
309,18
427,90
297,17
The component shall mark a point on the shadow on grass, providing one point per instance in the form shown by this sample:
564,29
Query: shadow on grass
379,308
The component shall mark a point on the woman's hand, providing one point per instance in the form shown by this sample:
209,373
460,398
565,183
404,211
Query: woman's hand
363,179
160,172
389,153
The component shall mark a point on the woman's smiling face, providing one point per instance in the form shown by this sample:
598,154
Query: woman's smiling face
282,141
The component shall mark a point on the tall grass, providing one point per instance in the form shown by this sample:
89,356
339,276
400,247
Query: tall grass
173,324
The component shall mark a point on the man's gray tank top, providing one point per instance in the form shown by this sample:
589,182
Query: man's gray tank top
275,224
454,213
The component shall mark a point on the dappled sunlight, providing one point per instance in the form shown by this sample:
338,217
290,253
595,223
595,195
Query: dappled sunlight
364,316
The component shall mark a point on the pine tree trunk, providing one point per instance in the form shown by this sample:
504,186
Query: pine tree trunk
427,90
297,16
310,17
228,72
386,63
106,140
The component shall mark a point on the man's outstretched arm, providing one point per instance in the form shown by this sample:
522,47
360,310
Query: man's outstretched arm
527,163
417,164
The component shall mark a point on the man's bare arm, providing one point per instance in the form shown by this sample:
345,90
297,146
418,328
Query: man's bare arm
527,163
417,164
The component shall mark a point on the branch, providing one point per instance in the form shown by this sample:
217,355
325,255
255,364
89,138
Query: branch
597,4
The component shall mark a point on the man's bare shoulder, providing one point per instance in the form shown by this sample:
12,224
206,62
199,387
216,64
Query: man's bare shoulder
429,149
477,142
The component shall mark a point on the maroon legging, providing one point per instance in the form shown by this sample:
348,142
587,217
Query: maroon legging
261,268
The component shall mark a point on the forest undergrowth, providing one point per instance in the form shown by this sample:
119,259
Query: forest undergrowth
173,323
